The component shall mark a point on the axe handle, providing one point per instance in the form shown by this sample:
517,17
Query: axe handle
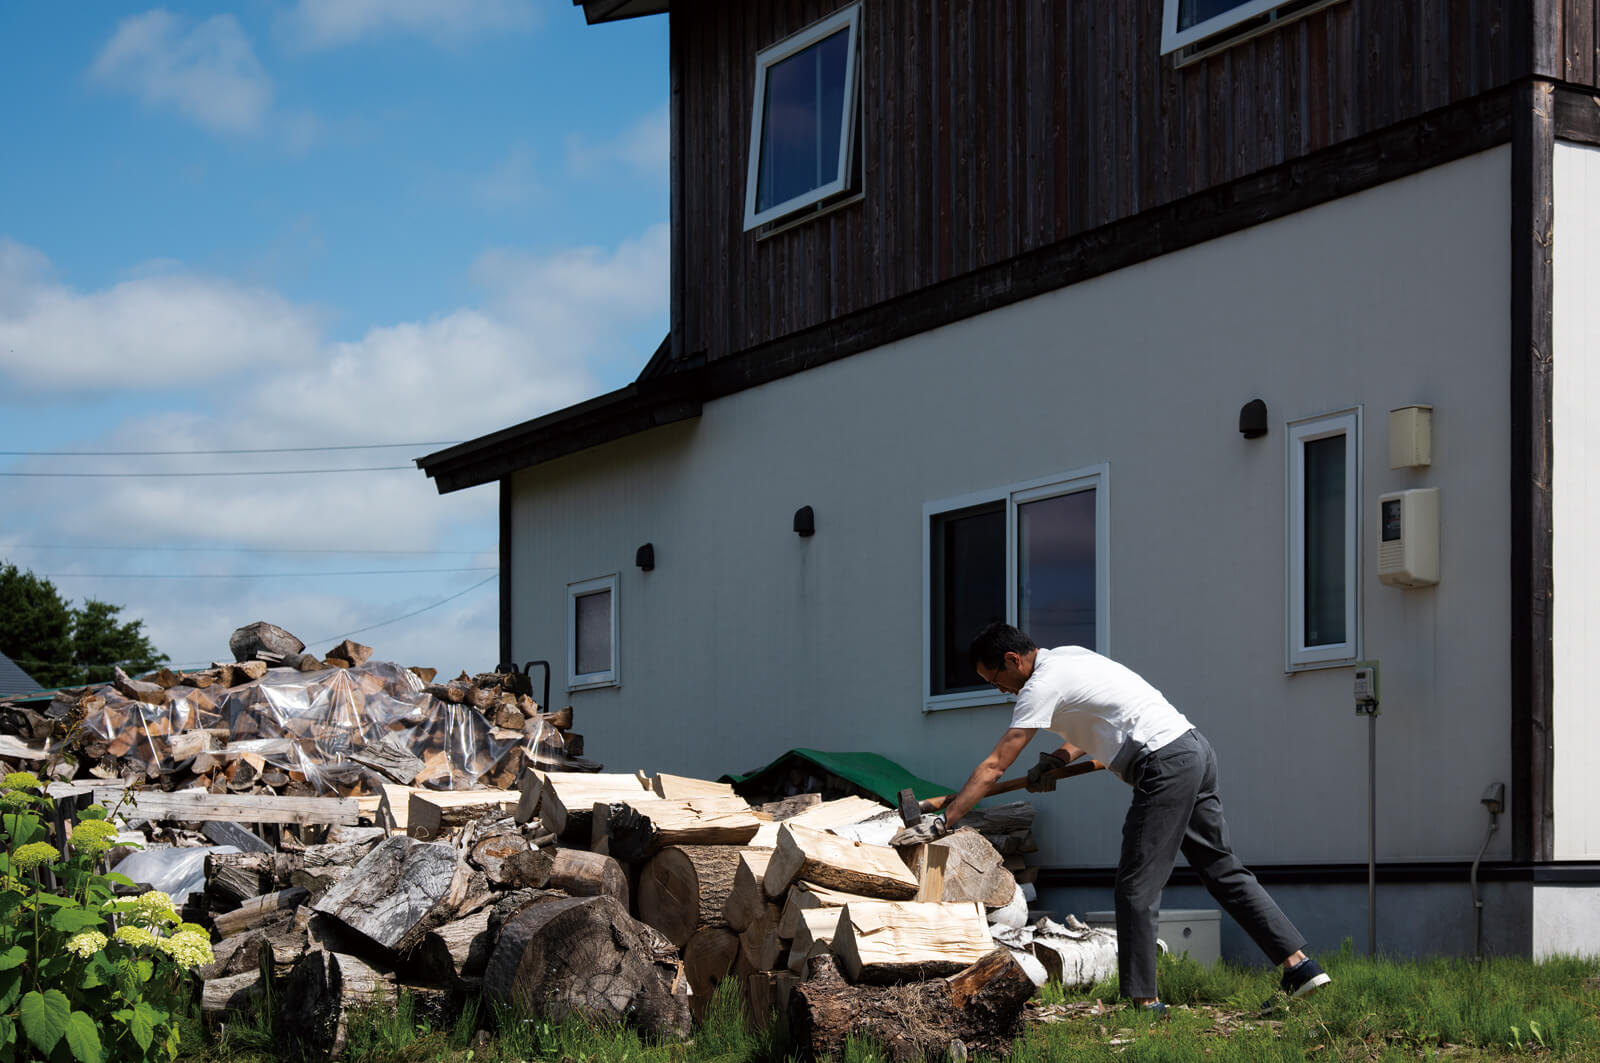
1077,767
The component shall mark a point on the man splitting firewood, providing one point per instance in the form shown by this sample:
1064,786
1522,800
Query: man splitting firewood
1104,710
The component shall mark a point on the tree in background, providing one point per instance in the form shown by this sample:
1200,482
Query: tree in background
62,646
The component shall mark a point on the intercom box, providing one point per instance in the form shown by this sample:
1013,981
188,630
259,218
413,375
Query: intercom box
1408,537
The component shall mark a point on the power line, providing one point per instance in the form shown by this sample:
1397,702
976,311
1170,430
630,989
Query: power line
255,450
241,549
248,472
258,575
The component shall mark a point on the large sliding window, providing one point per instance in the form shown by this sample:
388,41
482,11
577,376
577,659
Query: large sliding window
1030,554
1324,539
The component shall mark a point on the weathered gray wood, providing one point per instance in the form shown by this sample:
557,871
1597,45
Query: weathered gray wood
586,955
528,870
224,832
390,759
258,910
586,874
252,639
317,997
193,806
454,953
336,854
490,855
238,992
399,891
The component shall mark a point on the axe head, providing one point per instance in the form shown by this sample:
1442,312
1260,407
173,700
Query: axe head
910,811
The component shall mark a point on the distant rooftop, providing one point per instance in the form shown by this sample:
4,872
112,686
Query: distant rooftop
13,680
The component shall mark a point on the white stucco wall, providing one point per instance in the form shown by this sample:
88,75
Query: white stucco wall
1575,497
747,640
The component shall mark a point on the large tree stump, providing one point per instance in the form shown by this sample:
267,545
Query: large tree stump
980,1006
399,892
586,955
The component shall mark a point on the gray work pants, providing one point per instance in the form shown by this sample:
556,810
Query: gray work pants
1176,807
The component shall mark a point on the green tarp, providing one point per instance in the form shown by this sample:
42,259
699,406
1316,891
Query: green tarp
872,772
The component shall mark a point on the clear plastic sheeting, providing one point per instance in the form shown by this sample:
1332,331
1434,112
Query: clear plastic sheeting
175,871
310,725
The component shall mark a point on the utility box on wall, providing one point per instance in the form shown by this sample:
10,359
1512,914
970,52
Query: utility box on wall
1197,931
1408,537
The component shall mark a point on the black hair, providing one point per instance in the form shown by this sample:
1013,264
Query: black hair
995,641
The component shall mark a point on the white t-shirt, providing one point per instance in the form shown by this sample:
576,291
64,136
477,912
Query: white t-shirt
1095,703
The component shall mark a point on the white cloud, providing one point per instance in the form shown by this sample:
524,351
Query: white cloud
206,71
317,24
156,329
527,348
644,146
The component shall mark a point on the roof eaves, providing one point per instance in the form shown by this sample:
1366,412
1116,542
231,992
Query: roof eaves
642,405
597,11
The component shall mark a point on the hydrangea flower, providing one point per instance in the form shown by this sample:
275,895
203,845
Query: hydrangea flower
156,907
93,836
87,943
188,949
134,935
30,856
20,780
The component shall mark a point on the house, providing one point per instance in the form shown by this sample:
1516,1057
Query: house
13,680
1243,341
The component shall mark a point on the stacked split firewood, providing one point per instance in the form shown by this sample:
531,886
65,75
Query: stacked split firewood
277,720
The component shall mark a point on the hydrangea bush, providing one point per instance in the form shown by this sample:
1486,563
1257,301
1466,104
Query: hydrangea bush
85,974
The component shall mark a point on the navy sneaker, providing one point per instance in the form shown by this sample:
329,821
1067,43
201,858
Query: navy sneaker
1304,978
1152,1011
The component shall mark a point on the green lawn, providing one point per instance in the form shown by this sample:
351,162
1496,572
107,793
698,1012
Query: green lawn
1374,1010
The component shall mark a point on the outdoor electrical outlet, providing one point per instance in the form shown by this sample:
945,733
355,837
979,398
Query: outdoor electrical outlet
1367,688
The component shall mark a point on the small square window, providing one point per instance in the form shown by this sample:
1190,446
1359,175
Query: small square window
592,633
1323,544
803,122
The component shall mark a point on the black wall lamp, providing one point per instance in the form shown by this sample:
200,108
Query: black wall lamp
805,522
1253,419
645,556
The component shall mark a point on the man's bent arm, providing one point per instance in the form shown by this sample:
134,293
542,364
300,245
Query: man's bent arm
987,773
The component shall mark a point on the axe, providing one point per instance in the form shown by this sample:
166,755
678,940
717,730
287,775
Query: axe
911,811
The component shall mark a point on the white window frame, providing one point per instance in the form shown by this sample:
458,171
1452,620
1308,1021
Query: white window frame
1093,477
589,680
1172,38
1299,656
767,57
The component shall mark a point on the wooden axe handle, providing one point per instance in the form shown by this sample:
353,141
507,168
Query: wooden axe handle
1077,767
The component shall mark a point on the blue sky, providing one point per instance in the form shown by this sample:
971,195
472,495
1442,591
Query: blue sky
309,223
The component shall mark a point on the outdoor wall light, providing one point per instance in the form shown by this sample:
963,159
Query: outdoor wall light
805,522
645,556
1253,419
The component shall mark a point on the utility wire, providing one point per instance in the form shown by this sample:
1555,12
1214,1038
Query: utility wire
258,575
240,549
248,472
256,450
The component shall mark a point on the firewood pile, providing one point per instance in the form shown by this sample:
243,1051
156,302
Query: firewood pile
351,829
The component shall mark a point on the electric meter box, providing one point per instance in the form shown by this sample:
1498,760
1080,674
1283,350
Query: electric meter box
1408,537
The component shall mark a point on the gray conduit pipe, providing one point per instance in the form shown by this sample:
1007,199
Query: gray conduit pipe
1494,801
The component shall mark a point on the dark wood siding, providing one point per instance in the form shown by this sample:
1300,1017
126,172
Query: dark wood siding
995,127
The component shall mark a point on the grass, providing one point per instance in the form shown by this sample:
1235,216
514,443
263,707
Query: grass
1376,1010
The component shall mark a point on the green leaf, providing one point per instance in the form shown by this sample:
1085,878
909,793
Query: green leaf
54,901
10,989
141,1027
15,956
84,1039
44,1017
71,920
121,880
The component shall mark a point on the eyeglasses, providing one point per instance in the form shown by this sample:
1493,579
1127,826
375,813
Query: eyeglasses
994,680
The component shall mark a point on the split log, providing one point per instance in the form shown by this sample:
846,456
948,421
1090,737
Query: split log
136,690
353,652
586,955
251,639
962,866
453,954
888,942
390,758
433,813
816,856
585,874
761,997
252,913
804,896
813,936
315,1002
791,806
707,959
233,878
490,854
678,787
746,901
685,887
399,892
980,1007
760,947
836,813
531,870
238,992
658,823
567,800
